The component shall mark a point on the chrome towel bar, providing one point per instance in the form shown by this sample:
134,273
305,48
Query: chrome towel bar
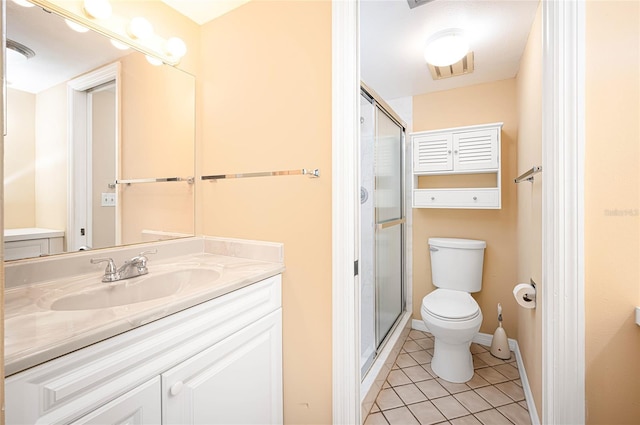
305,171
528,175
189,180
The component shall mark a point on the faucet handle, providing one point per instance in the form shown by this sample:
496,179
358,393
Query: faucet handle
110,272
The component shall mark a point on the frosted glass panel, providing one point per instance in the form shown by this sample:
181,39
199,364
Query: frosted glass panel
388,278
388,168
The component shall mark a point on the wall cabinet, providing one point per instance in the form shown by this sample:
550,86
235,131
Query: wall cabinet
219,362
461,150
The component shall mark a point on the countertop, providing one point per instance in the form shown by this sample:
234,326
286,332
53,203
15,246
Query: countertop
34,333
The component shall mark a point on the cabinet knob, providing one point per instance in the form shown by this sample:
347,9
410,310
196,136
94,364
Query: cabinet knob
433,198
449,152
455,152
475,198
176,388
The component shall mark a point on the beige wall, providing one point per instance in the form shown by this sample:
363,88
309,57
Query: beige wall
266,105
51,158
479,104
20,157
158,140
529,94
612,217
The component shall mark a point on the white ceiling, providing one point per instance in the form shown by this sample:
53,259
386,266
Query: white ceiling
203,11
393,36
62,53
392,39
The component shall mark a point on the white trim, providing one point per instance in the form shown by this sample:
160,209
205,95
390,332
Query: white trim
78,136
345,288
485,339
563,387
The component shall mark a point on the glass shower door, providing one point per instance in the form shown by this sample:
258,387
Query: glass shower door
389,223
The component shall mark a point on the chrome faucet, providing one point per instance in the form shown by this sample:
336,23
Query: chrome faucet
137,266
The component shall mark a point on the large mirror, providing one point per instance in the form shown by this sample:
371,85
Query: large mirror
99,144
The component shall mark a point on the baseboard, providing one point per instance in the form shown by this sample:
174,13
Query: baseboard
485,339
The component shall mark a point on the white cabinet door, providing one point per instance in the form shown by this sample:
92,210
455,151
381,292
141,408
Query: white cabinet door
140,406
432,152
236,381
475,150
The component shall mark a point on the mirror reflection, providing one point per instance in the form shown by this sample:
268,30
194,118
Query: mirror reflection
99,149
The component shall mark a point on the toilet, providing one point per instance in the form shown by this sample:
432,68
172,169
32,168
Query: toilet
449,312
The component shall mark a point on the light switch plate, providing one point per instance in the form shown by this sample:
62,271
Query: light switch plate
108,199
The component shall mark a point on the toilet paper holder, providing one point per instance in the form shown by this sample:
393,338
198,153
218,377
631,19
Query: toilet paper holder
530,297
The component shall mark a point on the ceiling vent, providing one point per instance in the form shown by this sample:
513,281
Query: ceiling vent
462,67
416,3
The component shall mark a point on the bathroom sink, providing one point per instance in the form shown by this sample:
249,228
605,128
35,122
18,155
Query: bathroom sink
136,290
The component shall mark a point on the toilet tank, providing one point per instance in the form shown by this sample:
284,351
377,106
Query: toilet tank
457,263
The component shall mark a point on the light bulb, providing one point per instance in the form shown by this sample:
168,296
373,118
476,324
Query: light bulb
446,47
154,61
176,47
23,3
119,45
76,26
98,9
140,28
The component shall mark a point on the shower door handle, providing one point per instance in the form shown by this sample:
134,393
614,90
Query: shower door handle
391,223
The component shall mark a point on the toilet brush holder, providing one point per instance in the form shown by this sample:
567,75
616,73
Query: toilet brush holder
500,342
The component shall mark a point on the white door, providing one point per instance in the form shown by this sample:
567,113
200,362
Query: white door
140,406
236,381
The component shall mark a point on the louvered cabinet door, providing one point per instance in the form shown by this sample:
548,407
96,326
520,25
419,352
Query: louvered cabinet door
475,150
432,153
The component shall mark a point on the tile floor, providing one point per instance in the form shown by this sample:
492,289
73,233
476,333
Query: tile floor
413,394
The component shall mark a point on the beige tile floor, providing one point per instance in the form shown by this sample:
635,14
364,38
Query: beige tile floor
413,394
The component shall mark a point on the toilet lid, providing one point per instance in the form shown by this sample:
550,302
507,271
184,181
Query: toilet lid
448,304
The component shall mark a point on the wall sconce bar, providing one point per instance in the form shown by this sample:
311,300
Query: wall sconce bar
114,27
528,175
189,180
311,173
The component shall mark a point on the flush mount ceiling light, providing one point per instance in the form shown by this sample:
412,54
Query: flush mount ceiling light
98,9
446,47
18,52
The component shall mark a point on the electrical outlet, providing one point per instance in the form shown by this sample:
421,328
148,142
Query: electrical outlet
108,200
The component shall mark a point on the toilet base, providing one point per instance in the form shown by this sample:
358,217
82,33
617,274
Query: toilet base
452,362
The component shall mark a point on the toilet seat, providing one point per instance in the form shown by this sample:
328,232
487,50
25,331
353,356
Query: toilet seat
451,306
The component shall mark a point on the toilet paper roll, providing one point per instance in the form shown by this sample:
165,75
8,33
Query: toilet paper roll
525,295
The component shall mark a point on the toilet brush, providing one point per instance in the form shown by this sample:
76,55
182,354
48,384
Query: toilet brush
499,343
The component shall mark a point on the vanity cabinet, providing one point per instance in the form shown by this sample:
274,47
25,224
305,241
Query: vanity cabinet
461,150
216,362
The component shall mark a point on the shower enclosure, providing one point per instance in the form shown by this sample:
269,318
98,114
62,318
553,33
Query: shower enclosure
382,225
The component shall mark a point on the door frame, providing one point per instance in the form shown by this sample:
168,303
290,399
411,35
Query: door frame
563,387
79,208
563,144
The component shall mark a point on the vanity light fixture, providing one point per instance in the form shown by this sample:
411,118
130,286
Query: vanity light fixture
139,28
98,9
446,47
76,26
153,61
23,3
119,45
176,48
